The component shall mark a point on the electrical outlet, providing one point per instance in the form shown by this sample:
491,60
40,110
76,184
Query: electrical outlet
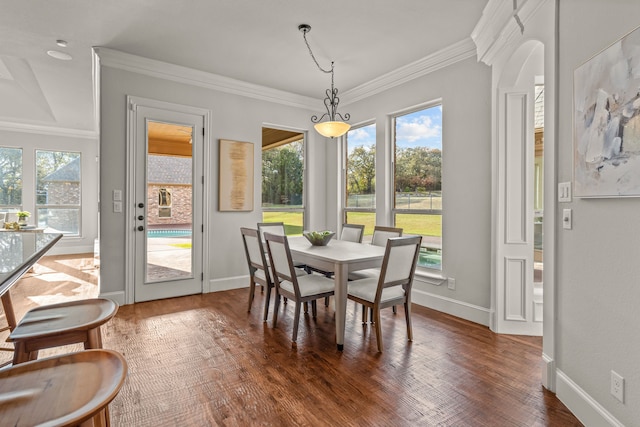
451,283
617,386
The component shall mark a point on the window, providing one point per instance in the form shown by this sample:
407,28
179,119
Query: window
360,177
418,180
283,181
10,179
164,203
58,191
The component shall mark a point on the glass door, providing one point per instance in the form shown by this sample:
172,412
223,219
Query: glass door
168,205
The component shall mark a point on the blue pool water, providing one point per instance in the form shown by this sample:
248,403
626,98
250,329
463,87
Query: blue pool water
168,233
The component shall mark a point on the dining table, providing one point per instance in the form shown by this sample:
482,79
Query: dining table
340,257
19,251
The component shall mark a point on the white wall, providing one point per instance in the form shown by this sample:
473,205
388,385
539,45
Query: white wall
88,147
465,91
598,267
233,117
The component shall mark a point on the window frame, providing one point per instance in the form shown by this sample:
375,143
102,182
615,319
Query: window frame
305,156
392,180
345,178
15,208
39,206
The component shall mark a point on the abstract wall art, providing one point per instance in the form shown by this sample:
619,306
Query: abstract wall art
607,122
235,189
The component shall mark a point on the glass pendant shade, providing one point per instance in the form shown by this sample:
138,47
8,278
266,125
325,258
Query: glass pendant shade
332,129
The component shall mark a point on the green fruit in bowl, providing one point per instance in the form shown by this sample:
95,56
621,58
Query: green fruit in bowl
319,238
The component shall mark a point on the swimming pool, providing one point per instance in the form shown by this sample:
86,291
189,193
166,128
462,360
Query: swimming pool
168,233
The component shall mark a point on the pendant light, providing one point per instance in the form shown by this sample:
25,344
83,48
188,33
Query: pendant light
332,127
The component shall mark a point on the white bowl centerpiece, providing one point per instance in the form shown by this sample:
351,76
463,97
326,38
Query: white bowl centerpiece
319,238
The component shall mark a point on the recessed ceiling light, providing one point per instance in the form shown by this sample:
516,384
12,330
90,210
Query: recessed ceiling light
59,55
61,43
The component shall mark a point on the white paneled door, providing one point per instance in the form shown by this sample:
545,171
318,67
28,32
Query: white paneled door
166,223
515,305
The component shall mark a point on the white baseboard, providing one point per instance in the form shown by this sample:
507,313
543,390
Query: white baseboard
228,283
548,373
67,250
117,297
583,406
466,311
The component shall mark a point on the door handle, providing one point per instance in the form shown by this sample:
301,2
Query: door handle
140,228
140,217
141,205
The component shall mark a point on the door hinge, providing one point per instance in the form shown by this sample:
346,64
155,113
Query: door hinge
202,228
203,179
202,131
202,277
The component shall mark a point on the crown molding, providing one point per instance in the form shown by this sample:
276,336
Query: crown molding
47,130
497,29
177,73
443,58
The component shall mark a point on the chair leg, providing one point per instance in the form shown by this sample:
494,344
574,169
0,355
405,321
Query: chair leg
94,339
394,310
326,301
266,303
296,321
276,305
306,307
376,312
407,314
20,354
371,315
314,309
252,290
364,314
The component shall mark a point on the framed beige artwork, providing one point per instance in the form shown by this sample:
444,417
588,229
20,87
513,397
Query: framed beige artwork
235,183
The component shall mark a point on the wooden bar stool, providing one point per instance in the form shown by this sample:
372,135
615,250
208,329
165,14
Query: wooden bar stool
61,324
70,390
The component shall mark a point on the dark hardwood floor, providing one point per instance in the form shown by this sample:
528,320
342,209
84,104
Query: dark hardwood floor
203,360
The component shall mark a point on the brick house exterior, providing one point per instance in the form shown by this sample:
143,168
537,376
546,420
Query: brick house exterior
170,175
63,189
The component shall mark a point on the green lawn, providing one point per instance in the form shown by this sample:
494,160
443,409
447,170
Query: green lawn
424,225
292,221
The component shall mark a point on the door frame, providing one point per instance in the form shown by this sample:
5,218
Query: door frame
132,102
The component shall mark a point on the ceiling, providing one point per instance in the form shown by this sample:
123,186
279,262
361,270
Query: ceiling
255,41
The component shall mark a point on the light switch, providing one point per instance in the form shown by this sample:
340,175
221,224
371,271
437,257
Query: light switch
564,192
567,220
117,195
117,207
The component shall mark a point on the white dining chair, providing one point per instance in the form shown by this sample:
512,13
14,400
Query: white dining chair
393,284
380,236
278,229
258,268
259,271
352,232
300,289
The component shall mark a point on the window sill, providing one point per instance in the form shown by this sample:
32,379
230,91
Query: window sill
431,278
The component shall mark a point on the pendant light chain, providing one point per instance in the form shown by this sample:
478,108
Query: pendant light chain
304,34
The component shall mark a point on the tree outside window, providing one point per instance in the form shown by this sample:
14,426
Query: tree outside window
360,203
10,178
283,186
